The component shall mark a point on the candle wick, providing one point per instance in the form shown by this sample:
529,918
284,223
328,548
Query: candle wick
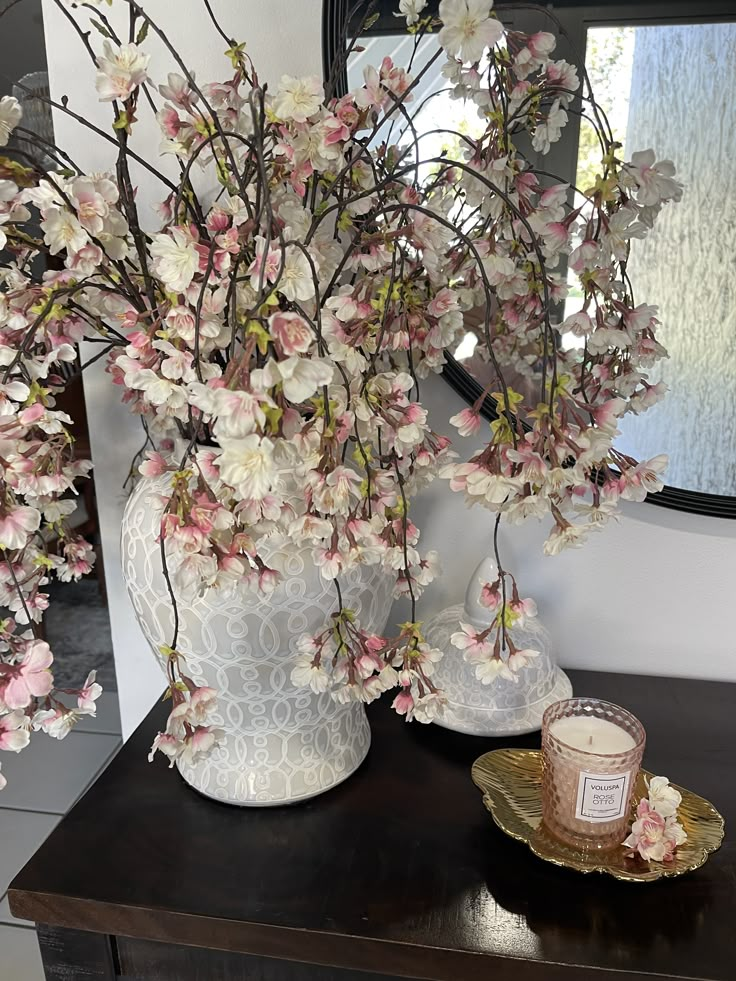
590,740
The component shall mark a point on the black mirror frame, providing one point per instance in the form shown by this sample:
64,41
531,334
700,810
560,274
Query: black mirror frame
335,14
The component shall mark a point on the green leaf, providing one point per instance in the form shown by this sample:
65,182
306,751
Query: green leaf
273,415
344,222
262,336
102,29
370,21
514,399
235,53
122,122
142,33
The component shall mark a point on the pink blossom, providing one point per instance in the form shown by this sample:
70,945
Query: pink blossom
442,302
79,558
167,744
556,236
467,422
33,413
475,643
200,744
564,75
584,256
607,415
17,524
14,734
169,121
372,94
645,478
490,595
654,837
579,324
210,516
328,560
29,677
87,260
641,317
403,704
266,265
88,695
346,112
202,702
523,608
533,465
179,92
56,722
229,241
207,462
655,180
291,332
520,659
121,71
542,44
268,580
92,207
154,465
334,130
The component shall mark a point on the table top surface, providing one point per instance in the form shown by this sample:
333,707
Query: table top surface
399,870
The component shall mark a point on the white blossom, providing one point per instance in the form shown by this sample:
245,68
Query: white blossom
10,115
298,98
247,465
468,29
411,9
175,258
121,71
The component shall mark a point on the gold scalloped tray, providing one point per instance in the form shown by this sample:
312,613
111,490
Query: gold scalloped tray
511,783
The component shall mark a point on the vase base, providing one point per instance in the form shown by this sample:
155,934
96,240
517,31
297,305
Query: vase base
241,789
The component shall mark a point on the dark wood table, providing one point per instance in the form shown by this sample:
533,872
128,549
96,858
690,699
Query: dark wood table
398,873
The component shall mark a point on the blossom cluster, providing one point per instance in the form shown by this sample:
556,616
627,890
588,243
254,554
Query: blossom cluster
357,666
39,471
188,736
553,453
273,330
656,832
492,650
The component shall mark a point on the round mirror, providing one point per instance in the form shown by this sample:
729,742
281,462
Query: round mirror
633,56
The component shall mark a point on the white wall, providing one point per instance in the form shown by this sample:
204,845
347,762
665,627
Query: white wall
281,36
652,594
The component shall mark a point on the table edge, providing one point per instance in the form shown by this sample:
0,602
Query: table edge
287,943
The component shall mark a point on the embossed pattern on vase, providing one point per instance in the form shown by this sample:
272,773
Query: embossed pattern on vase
282,743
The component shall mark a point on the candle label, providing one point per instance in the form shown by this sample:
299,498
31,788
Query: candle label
602,796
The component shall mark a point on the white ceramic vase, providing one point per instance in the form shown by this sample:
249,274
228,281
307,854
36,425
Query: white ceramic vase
282,744
502,708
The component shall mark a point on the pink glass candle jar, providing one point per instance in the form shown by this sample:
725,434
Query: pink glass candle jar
592,752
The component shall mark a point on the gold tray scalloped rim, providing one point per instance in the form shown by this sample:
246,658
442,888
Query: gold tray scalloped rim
510,780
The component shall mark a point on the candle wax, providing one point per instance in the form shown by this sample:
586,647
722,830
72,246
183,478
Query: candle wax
592,735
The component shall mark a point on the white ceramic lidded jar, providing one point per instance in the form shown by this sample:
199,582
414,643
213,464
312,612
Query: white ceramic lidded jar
503,707
282,744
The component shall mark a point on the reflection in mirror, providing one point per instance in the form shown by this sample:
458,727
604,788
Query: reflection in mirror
683,266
